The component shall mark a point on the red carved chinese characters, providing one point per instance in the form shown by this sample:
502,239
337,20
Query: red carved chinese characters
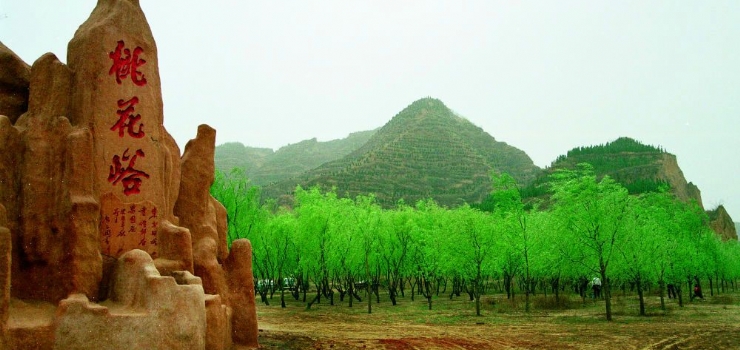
125,63
128,225
129,176
127,120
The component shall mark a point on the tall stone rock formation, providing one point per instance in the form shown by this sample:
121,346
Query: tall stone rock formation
91,189
14,80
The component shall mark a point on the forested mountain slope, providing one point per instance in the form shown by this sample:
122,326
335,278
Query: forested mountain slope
638,167
425,151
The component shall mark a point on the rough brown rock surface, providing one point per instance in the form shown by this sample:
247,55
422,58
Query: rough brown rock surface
89,181
721,222
5,247
145,311
15,76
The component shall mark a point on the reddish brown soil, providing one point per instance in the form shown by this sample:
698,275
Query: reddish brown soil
700,325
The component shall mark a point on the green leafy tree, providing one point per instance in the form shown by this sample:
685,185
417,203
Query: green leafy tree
592,216
394,244
274,251
516,236
472,246
314,212
428,249
241,200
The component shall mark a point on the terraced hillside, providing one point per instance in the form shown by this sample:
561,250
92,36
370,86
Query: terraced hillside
232,155
264,166
425,151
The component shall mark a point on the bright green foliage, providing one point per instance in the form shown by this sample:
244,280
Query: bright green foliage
394,246
592,219
656,247
593,227
274,250
317,214
368,220
428,256
515,243
241,201
472,245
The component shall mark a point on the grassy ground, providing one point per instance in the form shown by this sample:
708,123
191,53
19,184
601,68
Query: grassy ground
713,323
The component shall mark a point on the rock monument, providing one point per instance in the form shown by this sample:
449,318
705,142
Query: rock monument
108,238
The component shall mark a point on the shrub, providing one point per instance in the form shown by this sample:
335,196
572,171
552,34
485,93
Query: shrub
550,303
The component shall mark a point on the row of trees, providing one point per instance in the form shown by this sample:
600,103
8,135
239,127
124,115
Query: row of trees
591,227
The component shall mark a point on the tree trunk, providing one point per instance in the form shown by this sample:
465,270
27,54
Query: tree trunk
526,296
316,299
367,283
476,291
607,295
507,285
351,291
413,282
661,285
638,281
678,292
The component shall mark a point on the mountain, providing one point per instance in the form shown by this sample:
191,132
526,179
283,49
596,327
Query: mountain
264,166
235,155
637,166
640,168
425,151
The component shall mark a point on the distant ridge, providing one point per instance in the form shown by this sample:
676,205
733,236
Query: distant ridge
425,151
263,165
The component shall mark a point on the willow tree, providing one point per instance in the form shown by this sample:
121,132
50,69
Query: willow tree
314,212
368,219
428,248
394,245
241,200
653,249
592,217
471,242
516,233
640,257
274,249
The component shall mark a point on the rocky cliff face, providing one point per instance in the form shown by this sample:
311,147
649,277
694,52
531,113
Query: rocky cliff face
721,222
669,171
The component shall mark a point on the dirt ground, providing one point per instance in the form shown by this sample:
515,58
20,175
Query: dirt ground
713,323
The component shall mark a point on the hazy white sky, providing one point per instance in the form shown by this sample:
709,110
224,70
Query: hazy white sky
543,76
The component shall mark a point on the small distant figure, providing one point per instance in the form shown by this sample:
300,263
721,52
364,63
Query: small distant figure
671,291
697,292
596,286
